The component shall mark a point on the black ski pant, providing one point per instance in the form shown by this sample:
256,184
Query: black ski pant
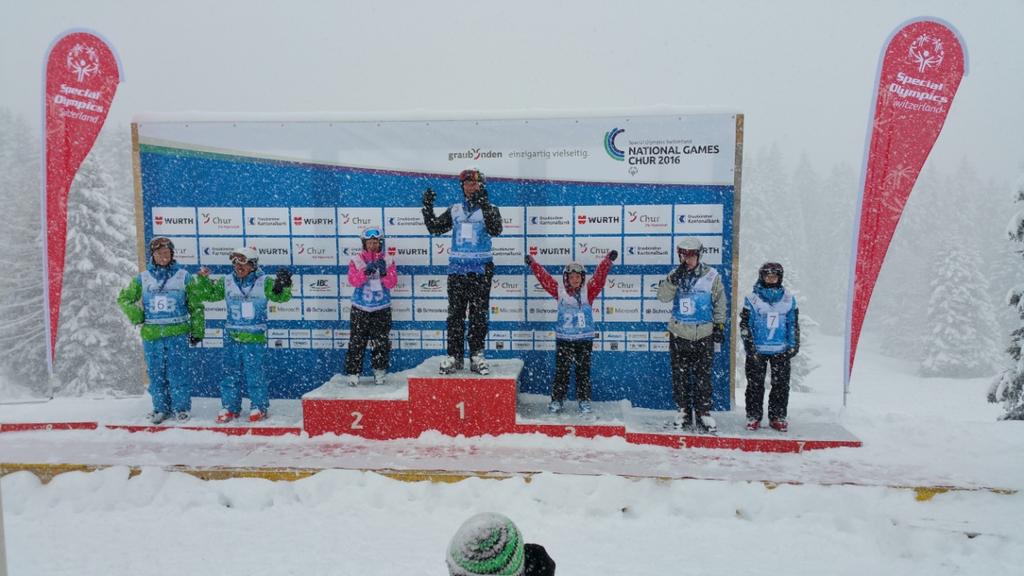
468,293
691,373
369,328
778,399
570,353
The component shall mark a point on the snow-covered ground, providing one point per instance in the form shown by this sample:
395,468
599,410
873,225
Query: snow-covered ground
840,511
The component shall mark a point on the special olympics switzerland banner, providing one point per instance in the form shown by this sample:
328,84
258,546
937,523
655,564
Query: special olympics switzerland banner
568,189
920,70
82,74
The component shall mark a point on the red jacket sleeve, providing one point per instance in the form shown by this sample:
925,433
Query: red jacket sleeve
356,276
390,280
596,284
546,281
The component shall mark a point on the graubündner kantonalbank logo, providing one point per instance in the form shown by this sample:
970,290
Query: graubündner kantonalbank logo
610,147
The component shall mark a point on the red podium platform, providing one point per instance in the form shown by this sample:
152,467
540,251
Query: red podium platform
417,400
369,411
467,404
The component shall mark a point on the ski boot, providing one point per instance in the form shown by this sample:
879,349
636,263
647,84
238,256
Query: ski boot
379,377
683,420
779,424
585,407
707,423
753,424
353,380
224,416
555,406
450,364
257,415
157,417
478,364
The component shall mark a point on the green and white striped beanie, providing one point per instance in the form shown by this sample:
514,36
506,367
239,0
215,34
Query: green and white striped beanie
487,543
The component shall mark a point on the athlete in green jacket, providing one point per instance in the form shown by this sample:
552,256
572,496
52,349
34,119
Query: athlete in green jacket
167,302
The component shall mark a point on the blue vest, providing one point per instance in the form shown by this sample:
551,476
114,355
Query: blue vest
693,305
471,243
164,300
769,322
372,295
575,317
247,307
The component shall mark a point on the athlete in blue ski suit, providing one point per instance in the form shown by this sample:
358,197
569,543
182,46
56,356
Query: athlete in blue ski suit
165,302
246,291
770,330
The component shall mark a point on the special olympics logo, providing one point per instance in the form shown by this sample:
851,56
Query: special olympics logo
926,51
610,147
83,61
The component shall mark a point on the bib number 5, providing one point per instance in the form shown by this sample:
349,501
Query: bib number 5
686,306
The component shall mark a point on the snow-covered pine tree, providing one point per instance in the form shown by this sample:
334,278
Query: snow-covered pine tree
897,306
22,336
766,232
827,267
775,230
97,351
1008,387
802,364
961,324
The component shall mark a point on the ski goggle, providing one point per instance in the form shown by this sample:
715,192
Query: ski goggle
471,176
372,233
688,253
772,272
575,268
237,258
161,242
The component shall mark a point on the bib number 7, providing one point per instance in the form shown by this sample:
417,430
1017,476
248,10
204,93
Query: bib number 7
773,324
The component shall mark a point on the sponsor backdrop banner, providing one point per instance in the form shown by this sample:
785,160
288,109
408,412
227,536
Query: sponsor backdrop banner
918,76
568,189
82,74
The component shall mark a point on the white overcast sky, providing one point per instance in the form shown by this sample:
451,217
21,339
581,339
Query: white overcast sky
800,70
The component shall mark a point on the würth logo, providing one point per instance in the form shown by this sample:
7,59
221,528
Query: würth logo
172,221
299,221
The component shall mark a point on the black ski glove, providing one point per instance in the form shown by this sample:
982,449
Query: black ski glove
194,341
718,333
678,274
793,351
537,561
378,266
528,259
613,254
282,281
428,199
481,197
